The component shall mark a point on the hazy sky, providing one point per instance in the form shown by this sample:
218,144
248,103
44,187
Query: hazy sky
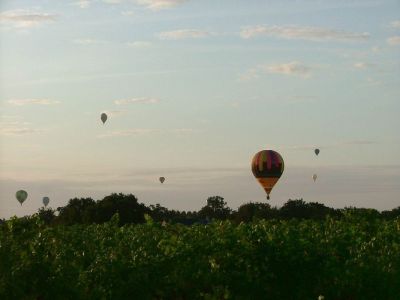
193,90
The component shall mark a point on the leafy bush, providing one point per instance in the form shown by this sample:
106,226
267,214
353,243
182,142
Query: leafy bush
350,258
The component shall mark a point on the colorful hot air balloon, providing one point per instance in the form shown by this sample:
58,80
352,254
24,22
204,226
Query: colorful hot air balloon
21,196
46,201
316,151
103,117
314,177
267,167
162,179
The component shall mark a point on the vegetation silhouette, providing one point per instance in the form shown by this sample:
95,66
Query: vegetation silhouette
130,211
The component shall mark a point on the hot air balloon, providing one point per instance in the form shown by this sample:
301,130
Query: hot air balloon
46,201
314,177
162,179
316,151
267,167
103,117
21,196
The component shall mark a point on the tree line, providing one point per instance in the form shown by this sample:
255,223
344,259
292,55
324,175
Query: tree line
130,211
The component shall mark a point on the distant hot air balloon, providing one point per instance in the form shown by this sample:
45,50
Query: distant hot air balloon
21,196
314,177
267,167
46,201
316,151
103,117
162,179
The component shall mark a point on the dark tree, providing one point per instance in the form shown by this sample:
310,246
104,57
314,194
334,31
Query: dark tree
216,208
391,214
294,209
250,211
127,207
47,215
77,211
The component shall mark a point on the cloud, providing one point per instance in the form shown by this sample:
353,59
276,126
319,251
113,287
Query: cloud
249,74
292,68
359,142
144,131
301,147
362,65
129,132
393,41
331,145
113,1
17,128
376,49
22,102
137,100
181,34
159,4
88,41
304,33
82,3
139,44
22,19
115,113
395,24
182,130
128,13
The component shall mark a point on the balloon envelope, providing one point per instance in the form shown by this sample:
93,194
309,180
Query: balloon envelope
316,151
46,201
267,167
314,177
162,179
103,117
21,196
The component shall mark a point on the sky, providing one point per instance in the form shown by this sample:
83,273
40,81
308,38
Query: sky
193,89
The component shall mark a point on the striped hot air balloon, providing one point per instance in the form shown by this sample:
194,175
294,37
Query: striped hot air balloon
267,167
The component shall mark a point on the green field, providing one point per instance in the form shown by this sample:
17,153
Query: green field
350,258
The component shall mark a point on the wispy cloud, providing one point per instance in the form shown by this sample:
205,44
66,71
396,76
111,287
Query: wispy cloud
22,102
300,147
139,44
305,33
115,113
113,1
250,74
23,19
393,41
159,4
395,24
362,65
358,142
292,68
182,130
331,145
128,13
129,132
88,41
181,34
142,100
17,128
82,3
145,131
